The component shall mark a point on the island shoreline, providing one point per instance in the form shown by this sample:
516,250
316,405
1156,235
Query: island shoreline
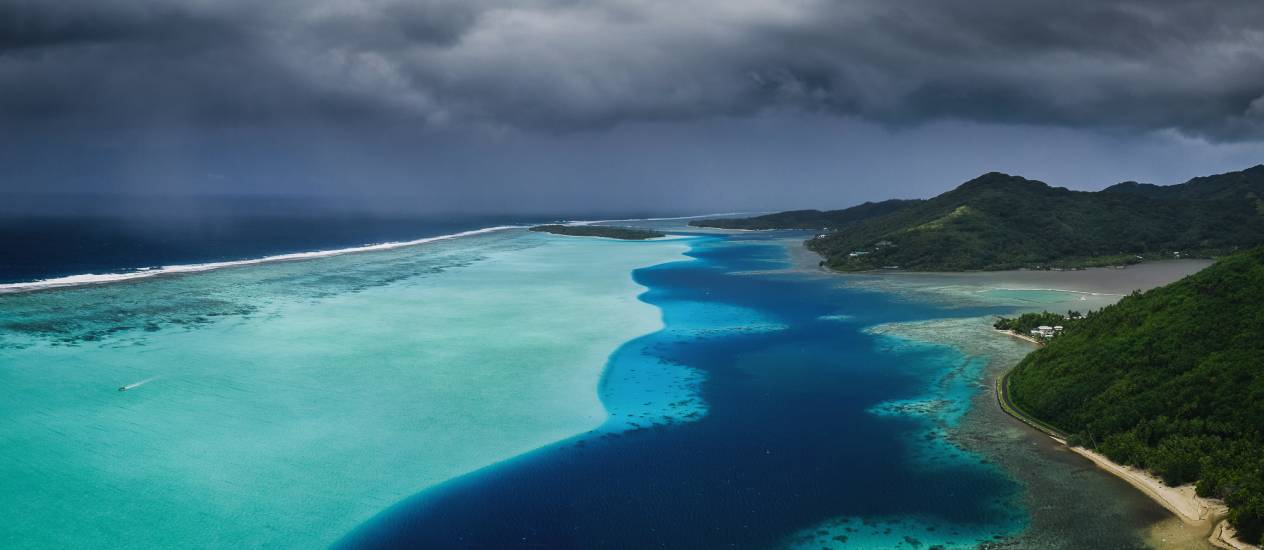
1181,502
1019,336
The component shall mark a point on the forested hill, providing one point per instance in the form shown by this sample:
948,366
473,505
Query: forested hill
999,221
1171,380
810,219
1245,185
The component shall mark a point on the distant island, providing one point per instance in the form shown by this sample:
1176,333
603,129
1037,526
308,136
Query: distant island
625,233
998,221
810,219
1170,381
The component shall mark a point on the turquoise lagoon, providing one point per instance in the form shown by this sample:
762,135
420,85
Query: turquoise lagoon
810,428
516,389
282,404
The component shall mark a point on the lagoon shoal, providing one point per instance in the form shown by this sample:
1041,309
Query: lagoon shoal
510,389
284,403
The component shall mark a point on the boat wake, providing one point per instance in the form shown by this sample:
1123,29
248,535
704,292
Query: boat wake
137,384
1080,292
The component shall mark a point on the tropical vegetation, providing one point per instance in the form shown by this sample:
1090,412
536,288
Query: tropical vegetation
625,233
1170,380
998,221
810,219
1025,323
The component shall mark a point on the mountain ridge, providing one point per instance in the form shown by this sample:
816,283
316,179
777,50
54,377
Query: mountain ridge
1241,184
809,219
1000,221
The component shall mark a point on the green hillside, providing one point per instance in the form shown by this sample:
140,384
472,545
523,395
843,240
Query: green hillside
1171,380
998,221
810,219
1244,185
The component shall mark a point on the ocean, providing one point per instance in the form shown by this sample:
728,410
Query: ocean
53,246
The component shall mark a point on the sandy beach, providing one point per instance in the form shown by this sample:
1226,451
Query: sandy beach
1104,286
1183,501
1223,537
1019,336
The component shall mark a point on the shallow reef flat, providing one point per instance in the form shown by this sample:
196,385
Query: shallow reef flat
1071,503
282,404
1083,289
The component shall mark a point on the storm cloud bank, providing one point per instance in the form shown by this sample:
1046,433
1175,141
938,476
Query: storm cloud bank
1192,66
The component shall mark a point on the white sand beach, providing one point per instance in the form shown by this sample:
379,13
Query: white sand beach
1055,290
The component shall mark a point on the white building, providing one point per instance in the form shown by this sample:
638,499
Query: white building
1044,331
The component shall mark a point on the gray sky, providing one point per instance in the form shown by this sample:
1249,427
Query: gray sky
681,105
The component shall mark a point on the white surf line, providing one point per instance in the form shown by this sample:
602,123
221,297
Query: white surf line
138,384
590,222
1085,292
94,278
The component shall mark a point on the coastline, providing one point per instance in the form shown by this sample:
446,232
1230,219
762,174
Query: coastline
1223,536
667,237
1182,501
672,218
1019,336
1069,504
1206,516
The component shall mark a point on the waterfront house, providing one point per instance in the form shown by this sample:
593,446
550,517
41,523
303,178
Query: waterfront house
1044,331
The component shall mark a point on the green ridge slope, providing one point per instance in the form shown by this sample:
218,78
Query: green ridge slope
998,221
1171,380
1245,185
810,219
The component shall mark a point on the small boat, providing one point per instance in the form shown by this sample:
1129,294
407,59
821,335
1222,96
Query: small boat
136,384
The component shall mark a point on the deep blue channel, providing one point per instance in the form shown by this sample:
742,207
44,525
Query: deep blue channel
788,439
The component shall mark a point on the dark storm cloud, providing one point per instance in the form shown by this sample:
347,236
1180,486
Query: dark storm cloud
1196,66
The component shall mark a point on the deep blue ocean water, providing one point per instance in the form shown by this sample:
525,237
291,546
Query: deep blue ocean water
799,432
42,247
